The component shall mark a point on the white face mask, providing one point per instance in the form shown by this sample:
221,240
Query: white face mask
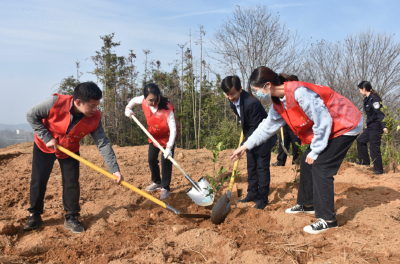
263,96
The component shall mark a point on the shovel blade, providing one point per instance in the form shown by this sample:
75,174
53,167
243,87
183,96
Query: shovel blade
221,210
201,198
204,216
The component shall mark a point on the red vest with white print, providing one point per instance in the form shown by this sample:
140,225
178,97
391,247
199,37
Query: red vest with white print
157,123
57,123
345,115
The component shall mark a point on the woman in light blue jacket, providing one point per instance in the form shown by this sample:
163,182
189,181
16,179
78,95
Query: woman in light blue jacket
326,120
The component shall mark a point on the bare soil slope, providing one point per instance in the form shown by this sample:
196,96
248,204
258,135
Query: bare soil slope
123,227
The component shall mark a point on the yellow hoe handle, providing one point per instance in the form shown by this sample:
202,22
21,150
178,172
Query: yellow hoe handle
235,165
109,175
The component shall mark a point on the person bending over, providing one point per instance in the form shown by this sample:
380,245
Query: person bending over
251,113
326,120
65,120
162,125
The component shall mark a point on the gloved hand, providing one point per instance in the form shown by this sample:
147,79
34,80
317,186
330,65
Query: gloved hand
128,112
167,153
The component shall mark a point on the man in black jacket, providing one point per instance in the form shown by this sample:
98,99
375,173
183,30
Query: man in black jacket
251,113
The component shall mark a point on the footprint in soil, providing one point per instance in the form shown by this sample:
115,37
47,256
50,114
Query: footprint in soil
358,199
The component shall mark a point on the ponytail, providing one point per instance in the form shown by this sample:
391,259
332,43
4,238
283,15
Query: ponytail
368,87
374,92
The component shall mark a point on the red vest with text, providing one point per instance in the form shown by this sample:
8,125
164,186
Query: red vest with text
157,123
57,123
345,115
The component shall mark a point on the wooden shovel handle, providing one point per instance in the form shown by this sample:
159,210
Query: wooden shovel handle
235,165
109,175
157,144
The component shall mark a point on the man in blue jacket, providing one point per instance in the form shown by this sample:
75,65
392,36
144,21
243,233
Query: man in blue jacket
251,113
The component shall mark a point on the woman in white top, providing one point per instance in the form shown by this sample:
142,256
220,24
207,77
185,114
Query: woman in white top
162,125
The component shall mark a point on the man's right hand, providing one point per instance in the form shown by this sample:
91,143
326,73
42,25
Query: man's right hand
238,153
52,144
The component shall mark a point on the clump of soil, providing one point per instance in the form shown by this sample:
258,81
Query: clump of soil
123,227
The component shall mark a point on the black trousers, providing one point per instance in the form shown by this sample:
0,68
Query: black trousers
374,137
289,137
166,165
259,176
42,165
316,180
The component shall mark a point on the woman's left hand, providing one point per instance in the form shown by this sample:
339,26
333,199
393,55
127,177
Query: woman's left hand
238,153
309,160
385,130
167,153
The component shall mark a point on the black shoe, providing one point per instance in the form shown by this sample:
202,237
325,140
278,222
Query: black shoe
277,164
300,209
34,221
359,163
246,200
260,204
378,173
320,226
72,223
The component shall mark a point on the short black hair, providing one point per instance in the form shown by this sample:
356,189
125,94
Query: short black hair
86,91
231,81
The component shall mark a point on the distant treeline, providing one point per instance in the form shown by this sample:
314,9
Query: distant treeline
24,126
10,137
250,37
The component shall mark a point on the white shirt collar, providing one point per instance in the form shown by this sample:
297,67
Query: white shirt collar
237,103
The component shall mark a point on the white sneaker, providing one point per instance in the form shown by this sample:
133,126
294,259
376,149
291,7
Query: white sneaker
153,187
164,194
320,226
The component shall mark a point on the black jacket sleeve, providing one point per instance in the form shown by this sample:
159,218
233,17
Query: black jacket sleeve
377,108
254,115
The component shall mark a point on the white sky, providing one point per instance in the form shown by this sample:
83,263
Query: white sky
40,40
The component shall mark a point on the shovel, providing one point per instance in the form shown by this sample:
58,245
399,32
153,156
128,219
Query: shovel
223,206
133,188
282,144
199,193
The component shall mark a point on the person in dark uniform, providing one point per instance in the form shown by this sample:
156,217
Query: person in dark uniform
251,114
373,129
288,137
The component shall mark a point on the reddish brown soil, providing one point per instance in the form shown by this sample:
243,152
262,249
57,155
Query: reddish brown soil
123,227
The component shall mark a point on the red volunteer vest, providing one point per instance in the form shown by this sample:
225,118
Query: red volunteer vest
57,123
345,115
157,123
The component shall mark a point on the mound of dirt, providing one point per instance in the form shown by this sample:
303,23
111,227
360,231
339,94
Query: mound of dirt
124,227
